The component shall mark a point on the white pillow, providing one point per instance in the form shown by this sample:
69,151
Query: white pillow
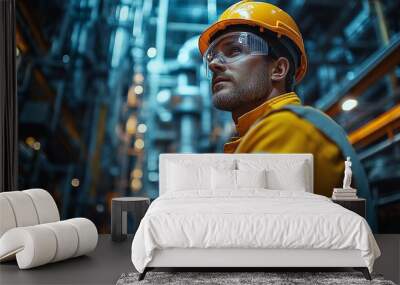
292,179
223,179
192,177
281,174
185,174
229,180
251,178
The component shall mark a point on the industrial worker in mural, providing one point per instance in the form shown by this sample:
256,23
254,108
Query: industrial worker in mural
254,55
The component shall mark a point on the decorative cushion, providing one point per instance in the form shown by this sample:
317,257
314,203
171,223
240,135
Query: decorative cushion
183,177
193,175
223,179
251,178
281,175
230,180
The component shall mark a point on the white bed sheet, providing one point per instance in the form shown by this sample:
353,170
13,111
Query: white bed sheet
251,218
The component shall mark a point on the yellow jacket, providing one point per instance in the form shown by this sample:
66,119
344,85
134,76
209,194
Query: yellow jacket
282,131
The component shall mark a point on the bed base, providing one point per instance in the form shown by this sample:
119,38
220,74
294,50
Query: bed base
242,259
364,270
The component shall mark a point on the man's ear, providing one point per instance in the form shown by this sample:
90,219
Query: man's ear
280,69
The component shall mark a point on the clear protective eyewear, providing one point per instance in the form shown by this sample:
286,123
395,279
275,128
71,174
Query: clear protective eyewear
232,47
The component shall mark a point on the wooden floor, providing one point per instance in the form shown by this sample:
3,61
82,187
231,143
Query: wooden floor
111,259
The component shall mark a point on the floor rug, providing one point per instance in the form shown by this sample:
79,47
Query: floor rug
243,278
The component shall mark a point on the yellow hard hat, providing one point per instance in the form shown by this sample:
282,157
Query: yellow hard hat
262,15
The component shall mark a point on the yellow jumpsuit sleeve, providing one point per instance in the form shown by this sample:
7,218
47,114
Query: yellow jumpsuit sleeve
285,132
280,132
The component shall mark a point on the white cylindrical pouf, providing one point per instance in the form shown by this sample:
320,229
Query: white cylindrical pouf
67,239
45,205
7,218
87,234
23,207
34,245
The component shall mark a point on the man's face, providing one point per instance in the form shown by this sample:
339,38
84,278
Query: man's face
241,82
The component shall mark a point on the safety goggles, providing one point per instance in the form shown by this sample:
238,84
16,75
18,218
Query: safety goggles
232,47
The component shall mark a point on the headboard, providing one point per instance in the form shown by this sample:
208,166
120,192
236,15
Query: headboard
210,157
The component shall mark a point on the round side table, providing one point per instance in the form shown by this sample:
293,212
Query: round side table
119,208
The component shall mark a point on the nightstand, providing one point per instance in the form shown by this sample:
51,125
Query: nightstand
119,208
358,205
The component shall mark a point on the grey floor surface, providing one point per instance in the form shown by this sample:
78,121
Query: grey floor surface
102,266
110,259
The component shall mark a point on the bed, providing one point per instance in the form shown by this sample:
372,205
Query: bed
247,210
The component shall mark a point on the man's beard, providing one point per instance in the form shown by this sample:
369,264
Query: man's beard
236,97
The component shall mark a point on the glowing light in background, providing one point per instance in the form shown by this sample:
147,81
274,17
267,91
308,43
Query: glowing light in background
349,104
132,99
163,96
153,176
139,143
118,45
75,182
142,128
152,52
65,58
124,13
36,145
100,208
33,143
136,184
165,116
138,78
131,125
137,173
30,141
139,89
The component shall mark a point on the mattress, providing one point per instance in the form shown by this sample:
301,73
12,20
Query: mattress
250,218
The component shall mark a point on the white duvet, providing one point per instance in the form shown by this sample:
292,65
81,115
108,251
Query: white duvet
252,218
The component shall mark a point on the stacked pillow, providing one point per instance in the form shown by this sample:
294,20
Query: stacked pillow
236,179
282,174
230,175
